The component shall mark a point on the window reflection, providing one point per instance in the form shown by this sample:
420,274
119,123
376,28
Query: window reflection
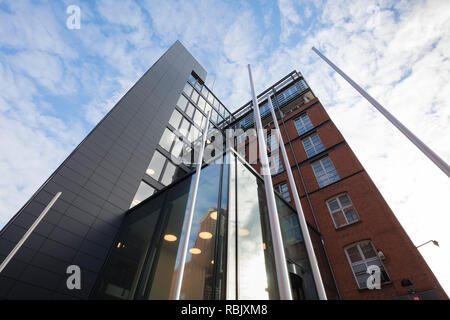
156,165
255,259
198,272
143,192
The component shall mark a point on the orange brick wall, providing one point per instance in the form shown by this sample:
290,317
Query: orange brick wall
377,221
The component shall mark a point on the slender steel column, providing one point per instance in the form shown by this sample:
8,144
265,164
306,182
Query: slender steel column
280,258
185,241
417,142
29,231
301,216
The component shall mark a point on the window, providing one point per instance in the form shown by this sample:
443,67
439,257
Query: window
284,191
201,103
303,124
302,85
195,96
161,169
342,211
170,173
156,166
198,119
167,140
361,255
190,110
325,172
184,129
175,119
291,230
182,101
313,145
188,89
286,95
276,166
143,192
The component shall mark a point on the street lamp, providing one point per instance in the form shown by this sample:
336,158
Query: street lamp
434,242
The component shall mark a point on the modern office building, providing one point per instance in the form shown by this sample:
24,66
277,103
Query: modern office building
127,187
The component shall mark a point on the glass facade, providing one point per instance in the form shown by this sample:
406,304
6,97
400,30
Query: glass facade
230,252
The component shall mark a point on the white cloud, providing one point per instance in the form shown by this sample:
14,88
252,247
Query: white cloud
289,18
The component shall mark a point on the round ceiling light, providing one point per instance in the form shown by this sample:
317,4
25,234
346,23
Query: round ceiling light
205,235
213,215
195,251
170,237
150,171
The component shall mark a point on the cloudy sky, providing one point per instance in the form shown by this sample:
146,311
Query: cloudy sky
56,83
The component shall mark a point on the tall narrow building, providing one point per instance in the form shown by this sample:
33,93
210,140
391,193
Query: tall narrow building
127,187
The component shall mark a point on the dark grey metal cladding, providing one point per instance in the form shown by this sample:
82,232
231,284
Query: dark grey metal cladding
98,182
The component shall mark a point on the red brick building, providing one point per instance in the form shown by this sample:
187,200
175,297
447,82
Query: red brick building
341,202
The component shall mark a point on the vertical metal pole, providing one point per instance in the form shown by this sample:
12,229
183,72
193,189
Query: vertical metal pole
29,231
417,142
280,258
185,241
301,216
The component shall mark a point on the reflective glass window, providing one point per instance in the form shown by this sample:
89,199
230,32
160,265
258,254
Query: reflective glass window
182,102
167,140
156,165
190,110
188,89
194,96
256,266
175,119
143,192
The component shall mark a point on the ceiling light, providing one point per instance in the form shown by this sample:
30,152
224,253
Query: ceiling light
243,232
205,235
170,237
195,251
212,261
150,171
213,215
264,246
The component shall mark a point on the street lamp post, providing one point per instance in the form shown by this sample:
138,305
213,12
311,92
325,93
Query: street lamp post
433,241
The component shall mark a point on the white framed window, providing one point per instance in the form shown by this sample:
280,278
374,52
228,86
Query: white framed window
303,124
342,211
312,145
325,172
360,256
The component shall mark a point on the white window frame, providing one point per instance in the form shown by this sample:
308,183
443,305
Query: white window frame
327,173
317,148
341,209
301,120
365,261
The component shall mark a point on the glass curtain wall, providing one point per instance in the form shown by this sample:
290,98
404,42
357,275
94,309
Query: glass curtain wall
230,252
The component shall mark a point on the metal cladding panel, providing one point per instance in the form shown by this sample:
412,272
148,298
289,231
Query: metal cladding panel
98,182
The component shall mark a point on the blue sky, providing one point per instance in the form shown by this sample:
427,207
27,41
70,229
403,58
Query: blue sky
56,83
